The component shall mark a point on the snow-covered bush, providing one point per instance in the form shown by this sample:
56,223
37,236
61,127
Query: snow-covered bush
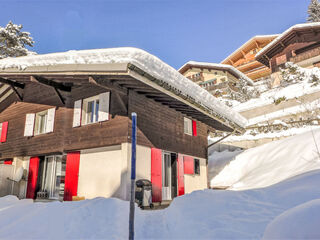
314,11
13,41
243,92
292,73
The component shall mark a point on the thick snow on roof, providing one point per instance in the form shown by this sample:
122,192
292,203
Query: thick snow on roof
139,58
249,41
281,36
218,65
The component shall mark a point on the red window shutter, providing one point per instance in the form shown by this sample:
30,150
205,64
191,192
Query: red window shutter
4,132
8,162
72,174
194,128
188,164
33,177
180,176
156,174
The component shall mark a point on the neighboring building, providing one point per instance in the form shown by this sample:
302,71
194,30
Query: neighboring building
66,124
299,44
244,57
215,78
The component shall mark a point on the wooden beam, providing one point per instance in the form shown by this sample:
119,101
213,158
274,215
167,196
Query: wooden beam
60,96
122,103
257,45
50,83
11,83
107,84
17,93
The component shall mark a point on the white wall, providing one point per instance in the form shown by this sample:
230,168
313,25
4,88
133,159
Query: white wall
100,172
106,172
196,182
20,189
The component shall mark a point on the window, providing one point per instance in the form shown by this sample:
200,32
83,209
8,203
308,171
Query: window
197,166
187,126
90,110
41,122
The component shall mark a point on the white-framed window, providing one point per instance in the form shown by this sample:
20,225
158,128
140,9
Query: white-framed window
41,122
90,110
187,126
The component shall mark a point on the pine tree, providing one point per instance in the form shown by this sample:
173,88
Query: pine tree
314,11
13,41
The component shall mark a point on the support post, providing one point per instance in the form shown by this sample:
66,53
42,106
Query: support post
133,175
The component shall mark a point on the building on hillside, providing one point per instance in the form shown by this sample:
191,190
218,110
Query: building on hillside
215,78
299,44
66,126
244,60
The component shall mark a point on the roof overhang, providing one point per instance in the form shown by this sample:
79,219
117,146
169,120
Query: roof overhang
251,41
307,32
123,77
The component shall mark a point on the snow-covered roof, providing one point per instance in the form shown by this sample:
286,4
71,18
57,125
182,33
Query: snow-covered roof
284,34
217,66
257,37
72,61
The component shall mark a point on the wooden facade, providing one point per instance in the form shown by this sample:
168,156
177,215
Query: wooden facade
300,44
244,57
159,126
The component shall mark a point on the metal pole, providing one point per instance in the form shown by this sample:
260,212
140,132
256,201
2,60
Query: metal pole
133,175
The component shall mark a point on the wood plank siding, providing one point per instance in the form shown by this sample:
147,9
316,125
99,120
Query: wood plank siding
159,126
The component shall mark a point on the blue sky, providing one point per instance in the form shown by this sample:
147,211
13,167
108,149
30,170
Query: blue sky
174,30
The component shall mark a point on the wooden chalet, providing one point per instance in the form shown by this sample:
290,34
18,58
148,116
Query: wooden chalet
299,44
65,122
244,57
213,77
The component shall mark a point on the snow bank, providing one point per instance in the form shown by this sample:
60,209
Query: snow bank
301,222
218,160
271,163
95,219
139,58
207,214
218,214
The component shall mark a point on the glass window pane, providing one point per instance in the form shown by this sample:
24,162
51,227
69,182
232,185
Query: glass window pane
97,111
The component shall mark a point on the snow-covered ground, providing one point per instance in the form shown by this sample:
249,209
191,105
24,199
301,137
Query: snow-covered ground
292,91
271,163
286,210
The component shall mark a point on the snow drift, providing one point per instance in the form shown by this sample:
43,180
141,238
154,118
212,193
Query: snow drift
208,214
271,163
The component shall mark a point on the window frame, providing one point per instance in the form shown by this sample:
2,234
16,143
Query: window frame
189,130
37,126
95,112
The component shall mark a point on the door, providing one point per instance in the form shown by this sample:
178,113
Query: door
51,176
166,176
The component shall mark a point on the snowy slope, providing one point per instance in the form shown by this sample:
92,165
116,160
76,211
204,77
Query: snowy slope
139,58
271,163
